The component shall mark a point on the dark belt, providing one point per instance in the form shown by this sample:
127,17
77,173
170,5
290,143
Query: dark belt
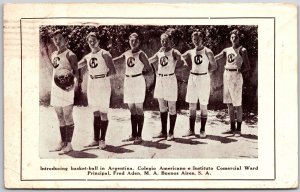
133,75
198,73
232,69
98,76
163,75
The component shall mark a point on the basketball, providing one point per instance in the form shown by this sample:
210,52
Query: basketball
64,79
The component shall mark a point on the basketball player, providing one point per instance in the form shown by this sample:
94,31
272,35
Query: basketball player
62,100
134,85
166,90
198,87
237,62
100,68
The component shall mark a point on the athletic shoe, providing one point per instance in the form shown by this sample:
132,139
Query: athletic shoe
202,134
189,133
130,138
238,133
60,146
102,144
138,140
66,149
161,135
229,131
170,137
92,144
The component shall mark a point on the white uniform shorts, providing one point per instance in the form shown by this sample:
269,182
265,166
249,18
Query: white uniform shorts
166,88
233,87
198,88
98,93
60,97
134,89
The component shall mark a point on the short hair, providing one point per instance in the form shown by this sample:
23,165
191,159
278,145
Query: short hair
93,34
237,32
170,31
134,36
59,31
199,33
165,35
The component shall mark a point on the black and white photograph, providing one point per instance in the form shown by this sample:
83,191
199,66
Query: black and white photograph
148,91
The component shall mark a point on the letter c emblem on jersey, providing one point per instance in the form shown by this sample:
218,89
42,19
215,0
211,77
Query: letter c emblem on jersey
231,57
56,62
130,61
163,61
198,59
93,63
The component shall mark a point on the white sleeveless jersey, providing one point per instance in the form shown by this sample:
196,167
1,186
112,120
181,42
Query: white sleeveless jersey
60,61
200,60
96,63
133,63
233,58
166,62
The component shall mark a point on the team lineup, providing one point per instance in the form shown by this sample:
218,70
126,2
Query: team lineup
101,66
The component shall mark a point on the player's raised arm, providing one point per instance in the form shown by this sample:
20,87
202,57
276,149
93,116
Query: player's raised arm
118,59
109,63
246,64
212,62
74,64
82,63
144,59
185,55
180,62
153,59
220,55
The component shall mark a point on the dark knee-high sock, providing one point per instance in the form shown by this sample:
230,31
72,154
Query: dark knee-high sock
192,123
172,123
69,132
63,133
239,117
239,125
203,123
232,125
164,121
103,129
133,125
140,123
97,120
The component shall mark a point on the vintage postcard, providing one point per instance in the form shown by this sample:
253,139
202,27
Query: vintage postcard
150,96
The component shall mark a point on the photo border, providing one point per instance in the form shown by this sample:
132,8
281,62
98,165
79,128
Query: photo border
40,18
